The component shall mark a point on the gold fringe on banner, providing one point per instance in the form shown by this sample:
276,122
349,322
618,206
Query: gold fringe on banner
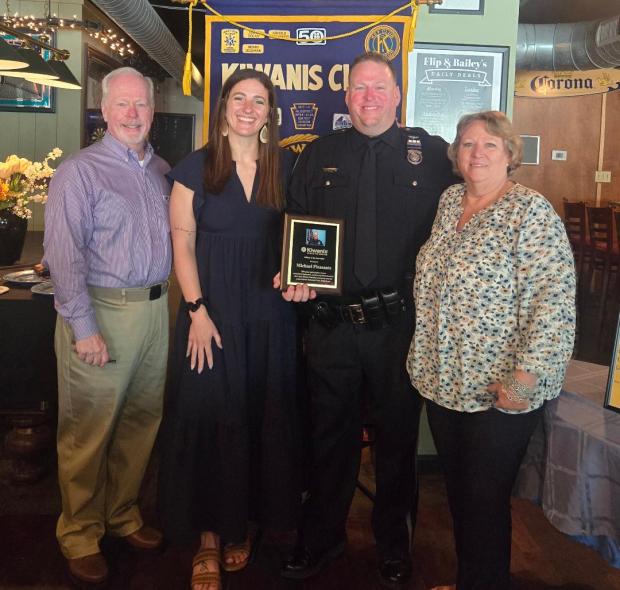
415,9
413,4
187,68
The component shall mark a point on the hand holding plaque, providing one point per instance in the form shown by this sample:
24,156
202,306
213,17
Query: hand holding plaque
312,253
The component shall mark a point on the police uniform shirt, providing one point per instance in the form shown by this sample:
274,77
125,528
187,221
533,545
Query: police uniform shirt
325,184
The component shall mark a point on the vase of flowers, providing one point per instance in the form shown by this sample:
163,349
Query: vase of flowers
21,182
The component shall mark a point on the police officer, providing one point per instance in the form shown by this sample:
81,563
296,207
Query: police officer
384,182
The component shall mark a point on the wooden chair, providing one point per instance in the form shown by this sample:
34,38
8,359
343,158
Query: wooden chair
575,223
604,255
617,247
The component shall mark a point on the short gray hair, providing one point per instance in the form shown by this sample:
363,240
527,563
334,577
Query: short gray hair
497,124
105,83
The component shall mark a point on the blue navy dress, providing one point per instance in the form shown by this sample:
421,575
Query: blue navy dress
230,439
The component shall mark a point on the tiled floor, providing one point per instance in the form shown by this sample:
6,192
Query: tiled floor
587,379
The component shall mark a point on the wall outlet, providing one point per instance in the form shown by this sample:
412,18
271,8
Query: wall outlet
559,155
602,176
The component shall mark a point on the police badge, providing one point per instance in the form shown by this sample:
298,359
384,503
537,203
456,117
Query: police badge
414,150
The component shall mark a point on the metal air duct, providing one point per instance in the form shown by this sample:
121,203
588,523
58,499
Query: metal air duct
139,20
569,46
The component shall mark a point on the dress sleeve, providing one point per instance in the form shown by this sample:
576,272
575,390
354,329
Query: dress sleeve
546,293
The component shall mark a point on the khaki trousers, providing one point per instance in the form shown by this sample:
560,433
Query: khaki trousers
108,418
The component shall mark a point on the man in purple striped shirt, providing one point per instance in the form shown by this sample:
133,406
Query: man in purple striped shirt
107,245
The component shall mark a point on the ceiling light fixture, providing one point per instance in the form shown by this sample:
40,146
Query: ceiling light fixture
50,73
37,69
65,78
9,58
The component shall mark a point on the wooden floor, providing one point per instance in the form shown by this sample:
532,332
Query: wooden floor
542,556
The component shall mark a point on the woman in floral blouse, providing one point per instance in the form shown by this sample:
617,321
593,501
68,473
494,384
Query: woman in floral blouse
495,304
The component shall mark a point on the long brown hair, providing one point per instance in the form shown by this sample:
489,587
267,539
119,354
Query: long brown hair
218,162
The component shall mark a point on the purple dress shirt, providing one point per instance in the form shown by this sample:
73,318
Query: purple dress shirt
106,225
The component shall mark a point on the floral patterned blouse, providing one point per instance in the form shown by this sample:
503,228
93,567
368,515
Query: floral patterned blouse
498,295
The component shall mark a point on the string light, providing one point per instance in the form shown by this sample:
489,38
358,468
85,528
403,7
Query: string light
50,25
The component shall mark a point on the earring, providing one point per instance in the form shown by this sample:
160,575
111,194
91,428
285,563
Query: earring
264,134
225,131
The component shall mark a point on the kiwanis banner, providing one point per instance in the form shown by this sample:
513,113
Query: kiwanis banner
555,84
310,78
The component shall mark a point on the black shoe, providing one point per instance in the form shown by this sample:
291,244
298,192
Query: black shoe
305,564
394,573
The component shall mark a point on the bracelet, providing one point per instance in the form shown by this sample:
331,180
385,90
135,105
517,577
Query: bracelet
517,391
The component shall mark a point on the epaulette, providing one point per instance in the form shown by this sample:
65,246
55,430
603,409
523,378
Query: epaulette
414,130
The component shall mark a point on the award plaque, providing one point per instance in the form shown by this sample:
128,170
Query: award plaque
312,253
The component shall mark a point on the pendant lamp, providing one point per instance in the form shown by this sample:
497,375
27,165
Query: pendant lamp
65,78
37,69
9,58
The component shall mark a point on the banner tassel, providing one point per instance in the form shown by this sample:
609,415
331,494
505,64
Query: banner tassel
187,68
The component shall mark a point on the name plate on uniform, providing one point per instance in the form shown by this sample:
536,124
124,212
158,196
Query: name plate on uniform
312,253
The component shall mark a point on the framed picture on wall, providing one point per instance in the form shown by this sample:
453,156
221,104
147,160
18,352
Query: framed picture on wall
531,150
612,395
458,7
98,65
23,96
449,81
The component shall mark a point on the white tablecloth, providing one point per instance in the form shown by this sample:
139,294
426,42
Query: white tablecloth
572,469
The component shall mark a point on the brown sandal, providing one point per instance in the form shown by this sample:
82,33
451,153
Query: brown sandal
232,548
206,577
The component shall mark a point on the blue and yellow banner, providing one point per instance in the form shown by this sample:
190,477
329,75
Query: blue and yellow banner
310,69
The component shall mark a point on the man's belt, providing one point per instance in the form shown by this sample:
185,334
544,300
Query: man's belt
373,310
131,293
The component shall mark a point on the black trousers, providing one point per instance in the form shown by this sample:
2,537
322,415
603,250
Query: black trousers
480,454
344,363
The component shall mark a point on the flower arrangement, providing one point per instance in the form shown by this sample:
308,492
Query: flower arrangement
23,181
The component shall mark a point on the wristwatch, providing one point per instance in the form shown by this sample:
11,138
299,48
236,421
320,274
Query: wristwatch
195,305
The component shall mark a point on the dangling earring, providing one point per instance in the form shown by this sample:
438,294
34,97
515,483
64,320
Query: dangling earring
225,130
264,134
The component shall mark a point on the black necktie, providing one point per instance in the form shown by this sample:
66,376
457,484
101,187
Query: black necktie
365,267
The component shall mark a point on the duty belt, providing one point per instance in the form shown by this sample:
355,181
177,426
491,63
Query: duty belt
373,310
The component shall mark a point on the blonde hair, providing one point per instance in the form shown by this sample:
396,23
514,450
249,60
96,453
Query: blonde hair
497,124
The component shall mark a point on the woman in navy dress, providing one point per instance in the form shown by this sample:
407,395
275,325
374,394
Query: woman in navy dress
231,437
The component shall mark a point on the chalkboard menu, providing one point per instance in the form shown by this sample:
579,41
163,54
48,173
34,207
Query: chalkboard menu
449,81
171,135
